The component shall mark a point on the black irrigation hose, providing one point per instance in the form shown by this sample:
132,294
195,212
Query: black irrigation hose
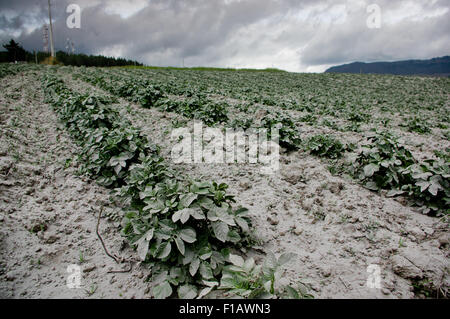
117,259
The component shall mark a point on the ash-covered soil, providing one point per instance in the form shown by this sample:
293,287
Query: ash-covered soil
336,227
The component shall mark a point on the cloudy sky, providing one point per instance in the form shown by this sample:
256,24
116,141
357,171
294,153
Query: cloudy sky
294,35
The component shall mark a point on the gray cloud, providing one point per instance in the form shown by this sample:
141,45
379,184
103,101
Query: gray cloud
289,34
421,37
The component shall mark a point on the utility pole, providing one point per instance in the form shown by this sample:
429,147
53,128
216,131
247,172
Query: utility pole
45,38
52,48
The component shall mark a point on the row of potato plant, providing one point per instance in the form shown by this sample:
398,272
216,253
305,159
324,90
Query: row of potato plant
193,105
426,183
185,230
386,164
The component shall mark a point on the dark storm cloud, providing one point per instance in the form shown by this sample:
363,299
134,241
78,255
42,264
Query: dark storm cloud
291,34
420,36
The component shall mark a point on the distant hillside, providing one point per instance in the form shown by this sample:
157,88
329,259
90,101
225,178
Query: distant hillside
436,67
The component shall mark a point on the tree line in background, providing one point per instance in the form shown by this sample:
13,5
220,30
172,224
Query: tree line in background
15,52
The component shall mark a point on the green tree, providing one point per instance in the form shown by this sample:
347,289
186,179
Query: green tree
15,51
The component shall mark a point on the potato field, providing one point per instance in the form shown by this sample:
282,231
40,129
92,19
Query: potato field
357,207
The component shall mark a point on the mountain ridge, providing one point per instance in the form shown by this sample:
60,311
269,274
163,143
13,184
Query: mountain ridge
439,66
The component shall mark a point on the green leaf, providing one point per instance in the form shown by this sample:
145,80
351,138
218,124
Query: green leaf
162,291
188,235
370,169
187,292
198,214
292,293
236,260
249,264
182,215
162,234
180,245
206,203
149,234
434,188
193,267
270,264
225,216
385,164
221,230
204,292
176,216
241,211
206,271
188,256
212,215
372,186
242,223
205,252
142,248
394,192
148,192
233,236
187,199
210,283
177,275
142,244
117,169
423,185
216,259
186,213
422,175
164,250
